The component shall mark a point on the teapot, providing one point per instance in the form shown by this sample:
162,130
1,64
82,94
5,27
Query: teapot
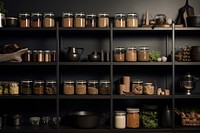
73,53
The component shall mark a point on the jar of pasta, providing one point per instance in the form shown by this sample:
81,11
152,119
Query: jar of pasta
103,20
24,20
131,54
119,54
149,89
67,19
143,54
79,20
132,20
68,87
48,20
133,118
81,87
120,20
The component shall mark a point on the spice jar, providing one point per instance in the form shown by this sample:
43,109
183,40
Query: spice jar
5,88
132,20
48,20
38,87
68,87
50,87
80,87
133,118
103,20
35,55
120,20
149,89
92,87
28,56
143,53
91,20
40,56
26,87
79,20
24,19
119,54
67,20
160,19
131,54
13,88
104,87
47,56
36,20
120,119
1,87
53,56
137,87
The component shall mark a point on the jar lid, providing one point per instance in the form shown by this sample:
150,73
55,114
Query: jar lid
51,81
80,81
119,15
91,15
35,51
68,81
40,51
13,82
103,14
13,18
131,48
120,112
119,48
67,14
92,81
53,51
36,14
148,83
47,51
23,14
132,14
144,47
48,13
26,81
80,14
137,81
133,110
104,81
29,51
39,81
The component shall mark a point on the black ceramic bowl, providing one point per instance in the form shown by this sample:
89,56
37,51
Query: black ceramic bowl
94,58
193,21
11,21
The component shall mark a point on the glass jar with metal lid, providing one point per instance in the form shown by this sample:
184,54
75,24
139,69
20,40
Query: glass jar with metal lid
131,53
103,20
13,88
143,53
1,87
149,89
5,87
79,20
137,87
133,118
104,87
67,19
91,20
160,19
81,87
68,87
48,20
50,87
120,20
35,55
26,87
120,119
38,87
27,56
53,55
36,20
132,20
24,20
119,54
93,86
40,56
47,56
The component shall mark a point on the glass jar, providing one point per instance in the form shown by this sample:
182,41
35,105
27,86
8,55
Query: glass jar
81,87
47,56
120,20
160,19
131,54
28,56
119,54
24,20
13,88
149,89
133,118
67,20
48,20
137,87
132,20
1,87
68,87
6,88
35,55
38,87
104,87
120,119
26,87
79,20
53,55
103,20
91,20
36,20
40,56
93,87
50,87
143,53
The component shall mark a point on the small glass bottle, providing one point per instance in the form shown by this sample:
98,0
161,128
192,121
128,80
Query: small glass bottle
91,20
131,54
104,87
67,19
132,20
137,87
143,54
53,55
93,87
28,56
68,87
120,119
24,19
149,89
48,20
103,20
13,88
40,56
79,20
38,87
36,20
119,54
120,20
35,56
47,56
50,87
81,87
133,118
26,87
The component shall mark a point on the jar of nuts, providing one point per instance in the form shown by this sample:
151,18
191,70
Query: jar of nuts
68,87
149,89
80,87
50,87
137,87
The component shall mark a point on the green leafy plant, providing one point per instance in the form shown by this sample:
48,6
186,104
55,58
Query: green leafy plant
154,55
2,8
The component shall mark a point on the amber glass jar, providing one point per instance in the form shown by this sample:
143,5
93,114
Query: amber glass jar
103,20
119,54
91,20
38,87
133,118
93,86
132,20
120,20
36,20
50,87
79,20
48,20
67,19
81,87
26,87
68,87
143,54
24,20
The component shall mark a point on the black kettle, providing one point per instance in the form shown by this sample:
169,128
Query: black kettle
74,54
166,119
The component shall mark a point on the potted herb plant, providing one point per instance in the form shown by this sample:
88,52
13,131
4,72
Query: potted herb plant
2,14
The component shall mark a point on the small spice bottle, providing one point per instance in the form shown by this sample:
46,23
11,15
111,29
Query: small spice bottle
68,87
47,56
28,56
120,20
132,20
104,87
48,20
119,54
120,119
103,20
53,55
143,53
79,20
93,86
91,20
133,118
67,19
81,87
36,20
13,88
131,54
38,87
50,87
24,19
149,89
40,56
137,87
35,56
26,87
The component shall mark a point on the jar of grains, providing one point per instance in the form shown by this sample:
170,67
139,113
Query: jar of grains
104,87
81,87
50,87
53,55
93,86
103,20
68,87
40,56
79,20
91,20
143,53
149,89
47,56
120,119
137,87
24,20
67,19
26,87
120,20
133,118
38,87
119,54
36,20
132,20
35,55
13,88
27,56
48,20
131,54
